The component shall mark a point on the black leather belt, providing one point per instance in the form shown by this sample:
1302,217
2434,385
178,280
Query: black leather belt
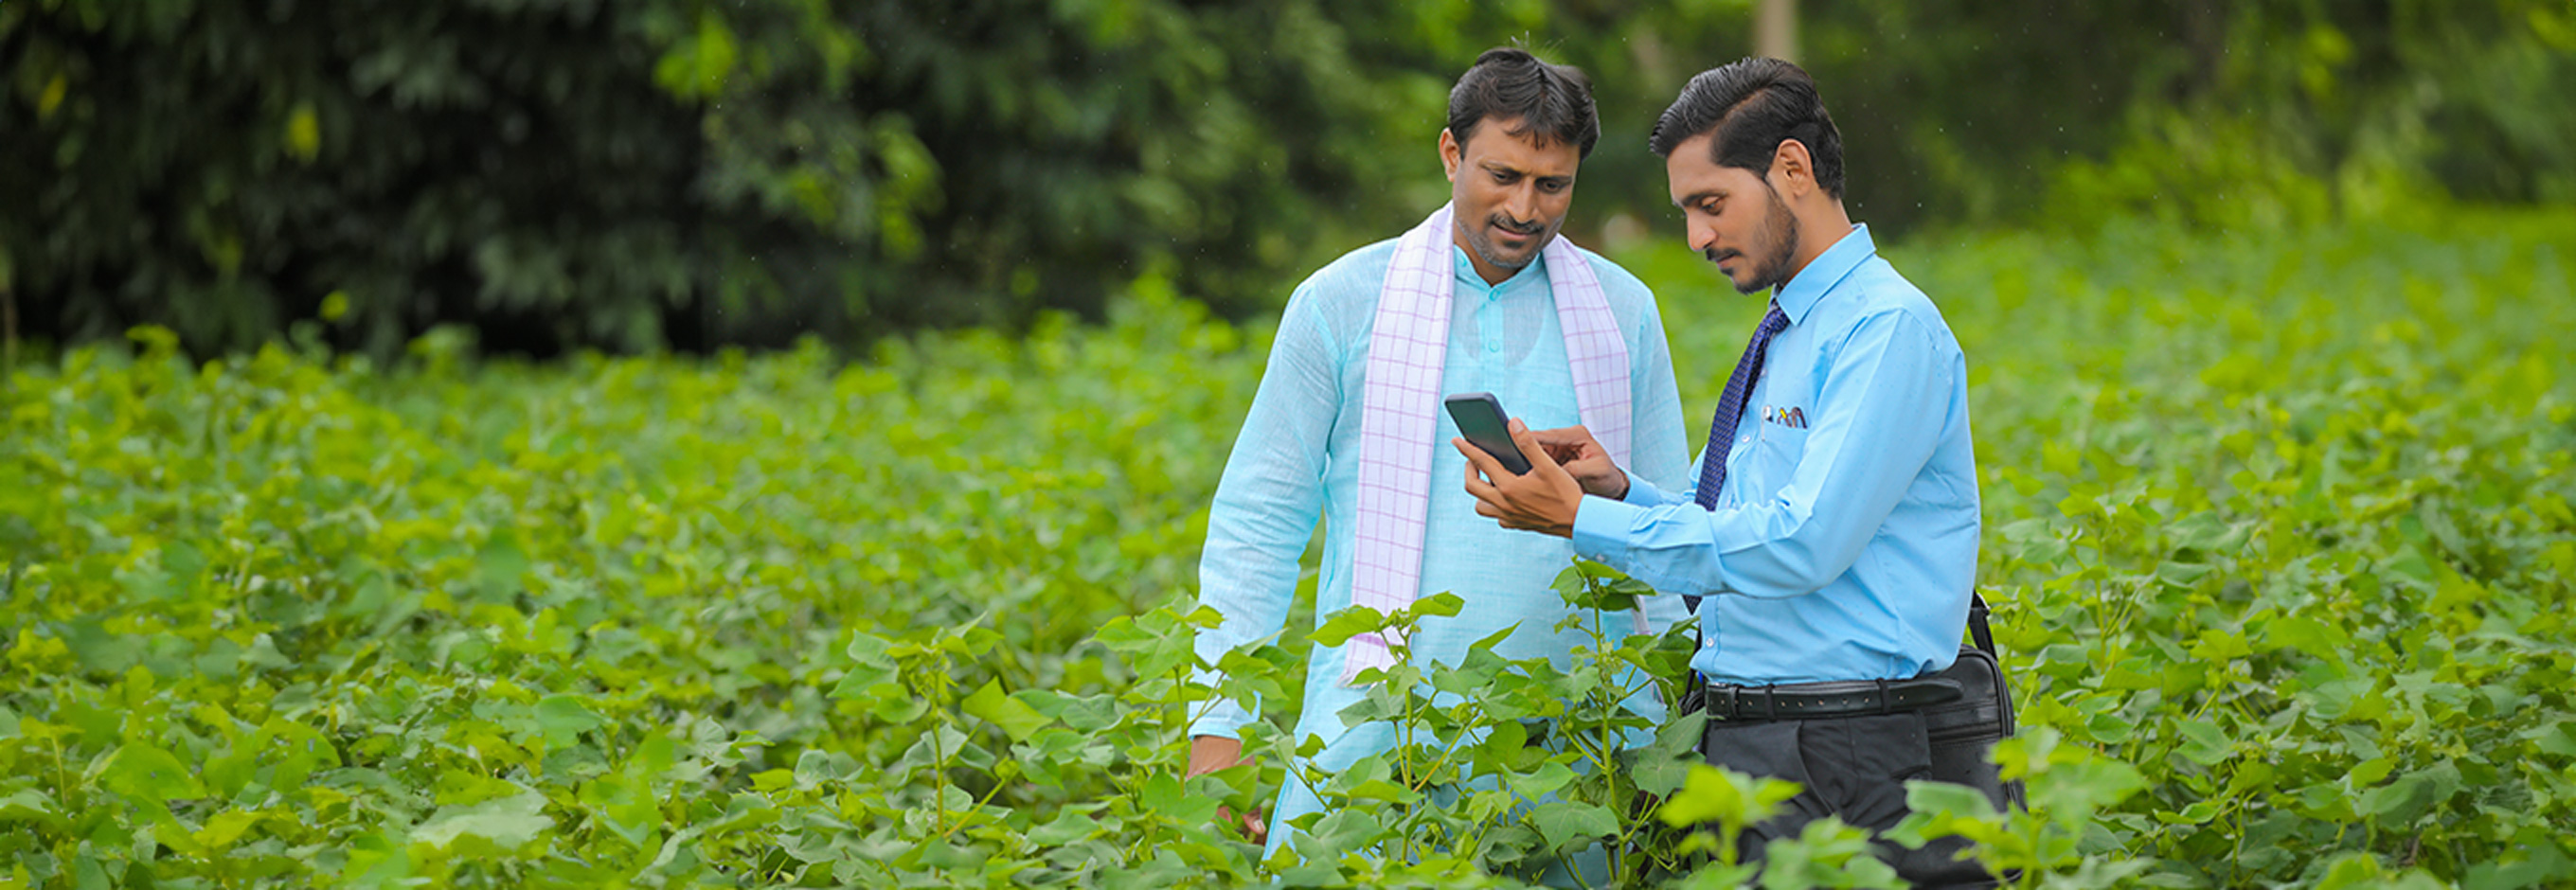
1845,698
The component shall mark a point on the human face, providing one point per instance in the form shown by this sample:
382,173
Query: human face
1733,217
1510,194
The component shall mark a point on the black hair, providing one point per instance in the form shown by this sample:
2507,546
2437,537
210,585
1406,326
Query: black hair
1551,100
1753,105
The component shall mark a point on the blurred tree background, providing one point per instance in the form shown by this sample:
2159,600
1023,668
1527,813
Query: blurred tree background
638,175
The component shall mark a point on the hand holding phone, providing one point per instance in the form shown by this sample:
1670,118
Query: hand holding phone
1482,423
1514,496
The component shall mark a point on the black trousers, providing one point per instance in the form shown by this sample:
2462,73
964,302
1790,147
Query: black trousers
1852,767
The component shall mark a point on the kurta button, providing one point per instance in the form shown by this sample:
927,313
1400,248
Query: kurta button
1491,346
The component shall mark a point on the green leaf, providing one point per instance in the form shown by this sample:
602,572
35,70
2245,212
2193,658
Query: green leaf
1945,797
2556,738
32,806
1711,795
1350,828
2412,795
501,565
303,132
506,824
143,772
1155,644
1549,777
871,666
1069,825
563,718
627,808
1565,822
1341,626
2203,742
1443,604
696,68
1014,716
226,827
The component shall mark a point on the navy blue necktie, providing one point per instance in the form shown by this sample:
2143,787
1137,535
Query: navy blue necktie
1730,409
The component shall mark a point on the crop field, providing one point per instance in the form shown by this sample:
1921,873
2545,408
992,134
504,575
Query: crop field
2278,528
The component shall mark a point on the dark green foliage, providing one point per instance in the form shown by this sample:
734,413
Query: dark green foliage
2216,114
223,168
634,175
642,174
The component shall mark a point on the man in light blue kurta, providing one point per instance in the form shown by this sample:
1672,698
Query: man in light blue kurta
1296,456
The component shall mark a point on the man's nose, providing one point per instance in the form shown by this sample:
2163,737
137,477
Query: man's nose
1702,235
1522,204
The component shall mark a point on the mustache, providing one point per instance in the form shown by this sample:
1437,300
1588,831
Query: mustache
1508,224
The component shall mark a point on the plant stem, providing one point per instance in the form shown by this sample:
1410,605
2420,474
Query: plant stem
939,757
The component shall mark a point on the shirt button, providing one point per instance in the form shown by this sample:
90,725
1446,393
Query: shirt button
1493,346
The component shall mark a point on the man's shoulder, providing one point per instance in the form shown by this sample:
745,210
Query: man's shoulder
1881,295
1353,277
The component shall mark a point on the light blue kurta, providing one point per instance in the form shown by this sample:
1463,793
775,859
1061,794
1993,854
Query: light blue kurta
1844,542
1298,456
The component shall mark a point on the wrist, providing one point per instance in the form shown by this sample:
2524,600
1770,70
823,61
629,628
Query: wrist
1209,753
1622,493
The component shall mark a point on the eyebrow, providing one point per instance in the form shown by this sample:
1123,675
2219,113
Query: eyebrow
1695,197
1493,167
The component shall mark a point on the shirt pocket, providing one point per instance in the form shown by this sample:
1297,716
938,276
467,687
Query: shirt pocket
1776,451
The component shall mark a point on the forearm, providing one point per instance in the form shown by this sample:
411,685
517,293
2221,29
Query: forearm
1666,545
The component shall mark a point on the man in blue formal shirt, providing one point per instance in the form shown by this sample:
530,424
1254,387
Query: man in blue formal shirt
1517,131
1831,535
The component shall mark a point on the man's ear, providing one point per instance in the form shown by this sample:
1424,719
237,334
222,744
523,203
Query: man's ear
1451,153
1794,168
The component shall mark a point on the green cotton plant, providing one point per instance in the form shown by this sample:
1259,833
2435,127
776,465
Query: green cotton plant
1106,767
1509,771
2287,537
2045,844
1500,767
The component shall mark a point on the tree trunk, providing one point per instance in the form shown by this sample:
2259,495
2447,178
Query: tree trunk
1775,30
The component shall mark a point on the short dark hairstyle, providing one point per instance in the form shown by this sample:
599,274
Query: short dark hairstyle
1551,100
1754,105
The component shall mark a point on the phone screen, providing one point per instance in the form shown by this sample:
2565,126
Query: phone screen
1482,422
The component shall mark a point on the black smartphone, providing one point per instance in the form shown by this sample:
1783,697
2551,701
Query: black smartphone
1481,420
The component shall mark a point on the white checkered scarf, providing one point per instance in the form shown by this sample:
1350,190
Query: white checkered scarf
1397,419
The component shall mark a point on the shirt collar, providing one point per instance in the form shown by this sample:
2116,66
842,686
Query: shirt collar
1465,269
1821,274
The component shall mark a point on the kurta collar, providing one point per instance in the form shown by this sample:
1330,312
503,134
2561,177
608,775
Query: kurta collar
1465,269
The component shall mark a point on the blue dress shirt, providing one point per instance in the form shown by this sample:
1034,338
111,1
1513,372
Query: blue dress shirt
1297,457
1846,530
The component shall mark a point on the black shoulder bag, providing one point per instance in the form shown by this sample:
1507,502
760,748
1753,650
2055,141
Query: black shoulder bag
1964,732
